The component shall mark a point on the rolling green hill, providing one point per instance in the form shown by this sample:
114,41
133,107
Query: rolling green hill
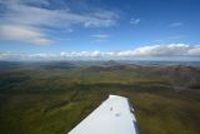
51,98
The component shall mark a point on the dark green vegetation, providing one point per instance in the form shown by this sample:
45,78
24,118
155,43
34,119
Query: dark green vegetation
51,98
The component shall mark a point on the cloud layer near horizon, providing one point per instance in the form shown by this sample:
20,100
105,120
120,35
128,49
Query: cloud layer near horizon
170,50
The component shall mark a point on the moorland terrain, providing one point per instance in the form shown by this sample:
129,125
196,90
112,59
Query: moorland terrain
52,97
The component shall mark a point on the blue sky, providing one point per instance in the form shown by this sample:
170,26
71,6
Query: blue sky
99,28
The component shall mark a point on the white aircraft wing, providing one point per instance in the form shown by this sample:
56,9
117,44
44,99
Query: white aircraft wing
113,116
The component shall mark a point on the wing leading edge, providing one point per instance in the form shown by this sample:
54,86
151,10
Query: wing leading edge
113,116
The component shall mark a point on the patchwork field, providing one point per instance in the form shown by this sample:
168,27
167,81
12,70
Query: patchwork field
51,98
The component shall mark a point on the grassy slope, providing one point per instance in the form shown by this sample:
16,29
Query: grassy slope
53,100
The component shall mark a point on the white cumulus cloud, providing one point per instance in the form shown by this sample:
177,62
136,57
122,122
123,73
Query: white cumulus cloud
168,50
135,21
